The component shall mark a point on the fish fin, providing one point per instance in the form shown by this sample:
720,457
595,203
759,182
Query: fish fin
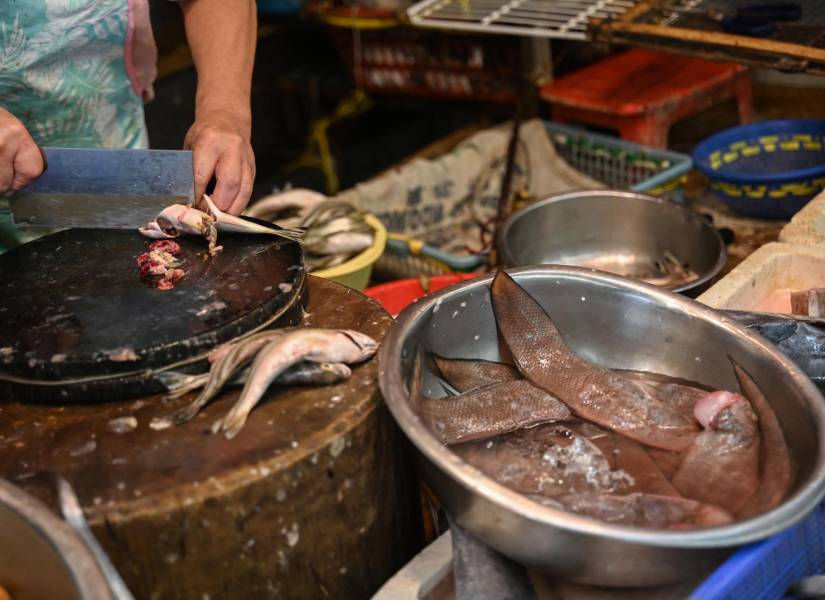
451,391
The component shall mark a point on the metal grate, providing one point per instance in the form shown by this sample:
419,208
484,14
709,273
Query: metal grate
566,19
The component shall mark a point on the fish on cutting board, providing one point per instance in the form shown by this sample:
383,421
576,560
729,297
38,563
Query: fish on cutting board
316,345
179,219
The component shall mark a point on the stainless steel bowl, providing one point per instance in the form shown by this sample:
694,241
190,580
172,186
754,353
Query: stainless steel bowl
41,556
616,322
619,232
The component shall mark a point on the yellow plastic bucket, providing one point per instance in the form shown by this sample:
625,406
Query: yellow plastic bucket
356,272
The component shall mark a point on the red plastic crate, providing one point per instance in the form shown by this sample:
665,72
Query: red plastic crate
406,61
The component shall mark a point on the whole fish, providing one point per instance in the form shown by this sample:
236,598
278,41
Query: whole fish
776,473
303,373
490,410
344,242
722,465
548,460
316,345
281,207
179,219
607,398
236,355
628,456
260,338
466,374
646,510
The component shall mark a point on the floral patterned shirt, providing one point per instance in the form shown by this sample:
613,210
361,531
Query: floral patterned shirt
76,72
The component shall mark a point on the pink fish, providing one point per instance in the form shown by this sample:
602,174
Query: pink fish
722,465
776,473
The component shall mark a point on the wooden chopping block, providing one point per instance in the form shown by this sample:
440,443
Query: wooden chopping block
314,498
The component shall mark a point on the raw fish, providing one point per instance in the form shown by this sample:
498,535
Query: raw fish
722,465
549,460
607,398
776,470
646,510
316,345
626,455
466,374
490,410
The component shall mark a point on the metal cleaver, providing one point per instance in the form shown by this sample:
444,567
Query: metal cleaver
104,189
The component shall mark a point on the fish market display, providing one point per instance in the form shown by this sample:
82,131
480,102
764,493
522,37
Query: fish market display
287,357
178,219
625,447
335,231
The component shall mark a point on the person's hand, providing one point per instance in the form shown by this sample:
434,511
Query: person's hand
20,159
220,147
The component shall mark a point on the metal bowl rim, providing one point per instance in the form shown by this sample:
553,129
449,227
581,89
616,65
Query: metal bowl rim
721,257
84,570
393,388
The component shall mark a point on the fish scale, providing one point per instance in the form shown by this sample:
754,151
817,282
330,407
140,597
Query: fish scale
593,392
490,410
777,470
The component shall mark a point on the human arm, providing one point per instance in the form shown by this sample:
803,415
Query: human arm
20,159
222,37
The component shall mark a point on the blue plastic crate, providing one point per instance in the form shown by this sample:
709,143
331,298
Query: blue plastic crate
764,570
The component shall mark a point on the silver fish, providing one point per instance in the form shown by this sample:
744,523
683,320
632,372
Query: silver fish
316,345
237,355
178,219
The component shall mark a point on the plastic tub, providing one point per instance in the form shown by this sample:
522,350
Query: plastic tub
396,295
356,272
769,169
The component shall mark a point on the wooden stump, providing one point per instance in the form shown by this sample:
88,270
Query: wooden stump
314,498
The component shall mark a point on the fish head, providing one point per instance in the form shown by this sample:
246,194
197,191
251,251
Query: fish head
153,230
179,218
365,344
338,369
708,408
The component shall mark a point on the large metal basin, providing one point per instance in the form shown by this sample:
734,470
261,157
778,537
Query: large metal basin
614,231
616,322
41,556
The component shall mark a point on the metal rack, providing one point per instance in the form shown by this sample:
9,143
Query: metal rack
564,19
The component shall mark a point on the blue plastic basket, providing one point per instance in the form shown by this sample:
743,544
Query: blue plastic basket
764,570
769,169
620,164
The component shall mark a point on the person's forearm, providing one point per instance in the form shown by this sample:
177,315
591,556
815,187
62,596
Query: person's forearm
222,37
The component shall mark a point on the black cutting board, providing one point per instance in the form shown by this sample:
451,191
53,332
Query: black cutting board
77,320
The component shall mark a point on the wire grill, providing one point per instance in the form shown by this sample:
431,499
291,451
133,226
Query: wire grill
564,19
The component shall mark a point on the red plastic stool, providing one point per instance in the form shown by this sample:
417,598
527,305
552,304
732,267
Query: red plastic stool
642,93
